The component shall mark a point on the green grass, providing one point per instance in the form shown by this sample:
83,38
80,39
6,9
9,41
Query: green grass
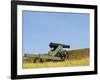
78,57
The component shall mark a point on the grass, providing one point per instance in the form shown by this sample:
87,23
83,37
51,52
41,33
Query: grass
66,63
76,58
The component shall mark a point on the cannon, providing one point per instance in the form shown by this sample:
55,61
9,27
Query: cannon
55,54
55,45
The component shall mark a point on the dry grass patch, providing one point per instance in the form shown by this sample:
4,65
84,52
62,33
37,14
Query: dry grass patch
66,63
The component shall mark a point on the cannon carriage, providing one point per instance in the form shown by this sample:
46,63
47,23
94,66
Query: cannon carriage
55,54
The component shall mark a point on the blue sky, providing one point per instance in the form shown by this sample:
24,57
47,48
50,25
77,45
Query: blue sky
41,28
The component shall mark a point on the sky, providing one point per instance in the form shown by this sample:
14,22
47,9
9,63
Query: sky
41,28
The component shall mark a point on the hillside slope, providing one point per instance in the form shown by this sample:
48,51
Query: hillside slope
79,53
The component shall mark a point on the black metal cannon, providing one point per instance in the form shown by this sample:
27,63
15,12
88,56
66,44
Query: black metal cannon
55,45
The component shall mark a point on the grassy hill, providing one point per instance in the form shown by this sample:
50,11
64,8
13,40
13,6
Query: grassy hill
79,53
79,57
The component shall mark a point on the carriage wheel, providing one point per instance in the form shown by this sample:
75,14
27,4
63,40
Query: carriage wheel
64,55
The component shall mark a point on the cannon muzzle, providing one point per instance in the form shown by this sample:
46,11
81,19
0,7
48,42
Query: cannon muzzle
55,45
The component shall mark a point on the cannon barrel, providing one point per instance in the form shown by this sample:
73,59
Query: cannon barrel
54,45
